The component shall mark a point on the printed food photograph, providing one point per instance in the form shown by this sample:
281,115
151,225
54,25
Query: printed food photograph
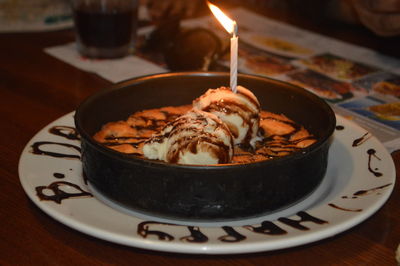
375,109
255,61
385,83
276,45
388,87
329,89
337,67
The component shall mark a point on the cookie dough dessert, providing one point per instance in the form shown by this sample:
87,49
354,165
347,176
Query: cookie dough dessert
220,127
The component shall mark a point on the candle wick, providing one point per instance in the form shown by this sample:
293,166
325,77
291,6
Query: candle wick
234,29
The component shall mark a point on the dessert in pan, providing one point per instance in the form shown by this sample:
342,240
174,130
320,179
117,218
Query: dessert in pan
220,127
226,156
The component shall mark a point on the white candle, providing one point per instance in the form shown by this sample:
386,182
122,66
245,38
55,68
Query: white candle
231,27
234,58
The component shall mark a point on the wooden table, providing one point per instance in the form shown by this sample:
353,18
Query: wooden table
36,89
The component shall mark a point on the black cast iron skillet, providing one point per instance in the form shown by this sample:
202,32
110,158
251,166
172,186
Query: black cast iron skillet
209,192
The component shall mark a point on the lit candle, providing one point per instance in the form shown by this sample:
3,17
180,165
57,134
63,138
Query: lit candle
231,27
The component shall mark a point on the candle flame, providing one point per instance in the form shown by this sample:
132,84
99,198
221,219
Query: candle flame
226,22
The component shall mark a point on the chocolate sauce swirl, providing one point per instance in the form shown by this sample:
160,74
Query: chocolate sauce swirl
361,140
38,150
65,131
372,153
58,195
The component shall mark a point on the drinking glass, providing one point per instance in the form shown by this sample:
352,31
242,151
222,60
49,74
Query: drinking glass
105,28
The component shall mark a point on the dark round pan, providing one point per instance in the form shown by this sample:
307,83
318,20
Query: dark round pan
209,192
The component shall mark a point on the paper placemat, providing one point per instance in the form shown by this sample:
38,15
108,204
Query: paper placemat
114,70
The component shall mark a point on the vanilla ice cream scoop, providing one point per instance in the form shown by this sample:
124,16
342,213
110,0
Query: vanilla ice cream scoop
196,137
239,111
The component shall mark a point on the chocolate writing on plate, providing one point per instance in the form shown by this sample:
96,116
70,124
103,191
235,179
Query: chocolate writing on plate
44,147
372,154
366,192
343,209
361,140
65,131
305,217
60,190
58,175
144,231
38,149
358,194
369,191
196,236
232,236
266,228
56,193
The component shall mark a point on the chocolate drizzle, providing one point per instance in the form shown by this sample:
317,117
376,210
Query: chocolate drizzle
372,153
196,236
343,209
139,126
143,230
232,235
280,145
65,131
58,194
59,175
366,192
37,149
62,131
304,217
232,107
266,228
296,127
194,127
369,191
361,140
133,144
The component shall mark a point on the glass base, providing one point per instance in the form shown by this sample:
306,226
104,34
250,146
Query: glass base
96,52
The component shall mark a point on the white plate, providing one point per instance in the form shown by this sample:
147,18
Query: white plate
349,194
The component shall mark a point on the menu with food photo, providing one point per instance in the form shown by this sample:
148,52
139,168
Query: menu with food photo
329,89
337,67
384,83
342,74
377,110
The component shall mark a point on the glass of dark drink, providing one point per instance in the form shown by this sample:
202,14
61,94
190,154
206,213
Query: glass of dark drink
105,28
